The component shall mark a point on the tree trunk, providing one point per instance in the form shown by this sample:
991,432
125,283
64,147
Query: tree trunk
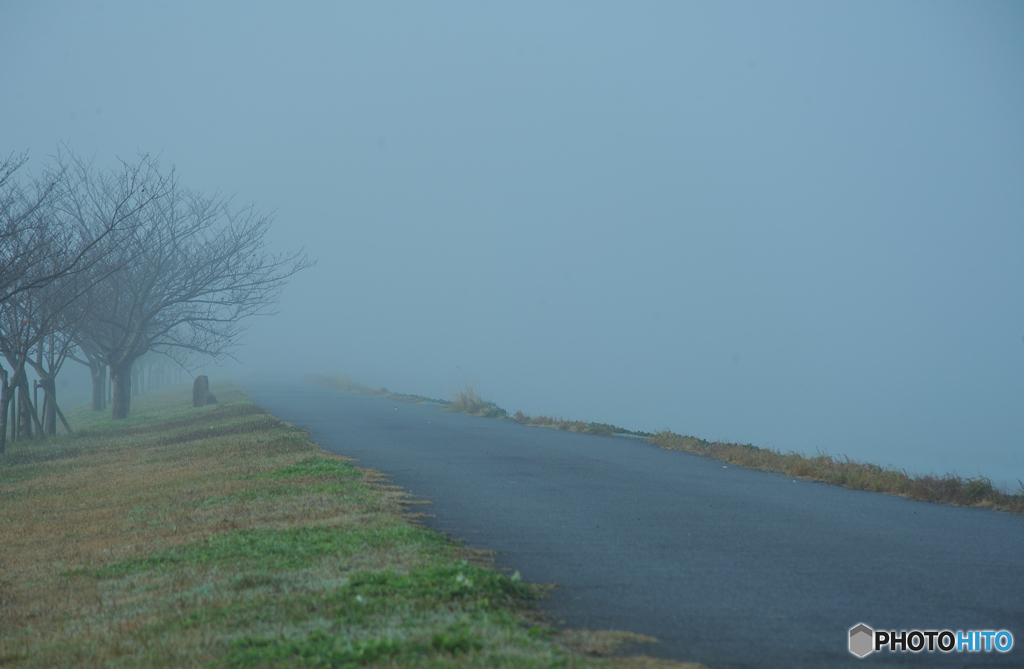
12,413
24,408
49,406
98,371
29,416
5,401
52,401
15,411
121,380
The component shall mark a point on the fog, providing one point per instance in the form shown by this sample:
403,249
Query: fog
797,225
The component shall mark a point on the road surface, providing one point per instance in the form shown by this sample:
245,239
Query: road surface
724,565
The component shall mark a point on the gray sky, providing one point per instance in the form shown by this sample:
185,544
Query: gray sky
799,225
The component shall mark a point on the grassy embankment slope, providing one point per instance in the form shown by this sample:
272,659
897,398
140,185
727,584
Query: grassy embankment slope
976,492
223,536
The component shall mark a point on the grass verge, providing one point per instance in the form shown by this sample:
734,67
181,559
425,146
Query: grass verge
467,399
948,489
342,382
222,536
585,427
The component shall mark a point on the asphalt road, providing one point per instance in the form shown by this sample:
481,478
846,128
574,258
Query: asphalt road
724,565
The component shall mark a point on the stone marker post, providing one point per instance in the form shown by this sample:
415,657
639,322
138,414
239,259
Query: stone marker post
200,389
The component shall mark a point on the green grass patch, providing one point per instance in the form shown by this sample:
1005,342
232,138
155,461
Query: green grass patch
319,649
441,584
292,548
373,598
313,468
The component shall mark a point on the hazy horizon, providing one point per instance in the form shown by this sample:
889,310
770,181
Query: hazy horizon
797,225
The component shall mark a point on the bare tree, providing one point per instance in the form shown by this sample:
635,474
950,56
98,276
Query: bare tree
118,264
17,336
198,269
26,255
27,216
49,260
97,204
53,312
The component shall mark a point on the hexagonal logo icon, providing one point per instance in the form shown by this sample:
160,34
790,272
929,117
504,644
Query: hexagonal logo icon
862,640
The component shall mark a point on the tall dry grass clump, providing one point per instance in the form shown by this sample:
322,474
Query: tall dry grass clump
466,399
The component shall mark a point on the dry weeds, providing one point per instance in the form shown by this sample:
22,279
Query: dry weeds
977,492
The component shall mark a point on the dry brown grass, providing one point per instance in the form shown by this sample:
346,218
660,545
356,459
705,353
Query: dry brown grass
466,399
610,643
602,642
978,492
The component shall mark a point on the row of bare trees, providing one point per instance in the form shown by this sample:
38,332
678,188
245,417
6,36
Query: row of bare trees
106,265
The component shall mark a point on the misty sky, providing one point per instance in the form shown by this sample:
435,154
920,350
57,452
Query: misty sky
799,225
